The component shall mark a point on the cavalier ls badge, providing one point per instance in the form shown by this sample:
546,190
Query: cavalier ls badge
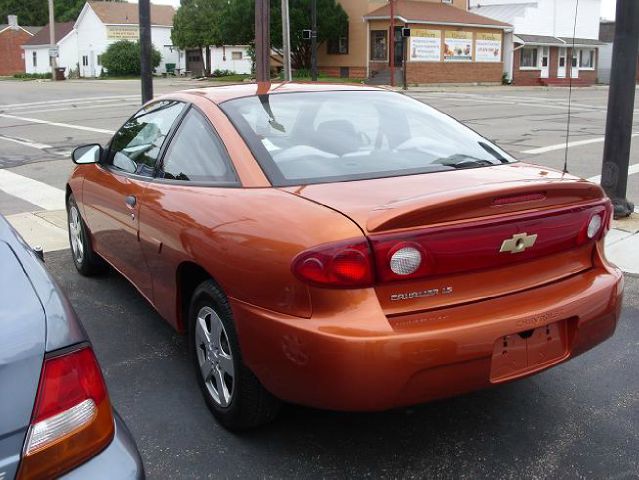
518,243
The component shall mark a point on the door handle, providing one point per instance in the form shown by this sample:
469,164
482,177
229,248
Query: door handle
131,201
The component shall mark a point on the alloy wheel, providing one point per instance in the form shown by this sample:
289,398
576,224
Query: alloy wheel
75,234
214,356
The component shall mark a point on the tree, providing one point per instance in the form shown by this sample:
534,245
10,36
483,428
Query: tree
196,25
237,25
123,58
36,12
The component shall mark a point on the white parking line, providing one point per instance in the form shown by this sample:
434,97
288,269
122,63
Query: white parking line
67,100
631,171
561,146
58,124
37,193
37,110
25,142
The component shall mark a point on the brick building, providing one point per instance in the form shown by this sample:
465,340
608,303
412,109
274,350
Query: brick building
12,37
448,44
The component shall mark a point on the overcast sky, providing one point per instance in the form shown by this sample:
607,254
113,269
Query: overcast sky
608,9
607,6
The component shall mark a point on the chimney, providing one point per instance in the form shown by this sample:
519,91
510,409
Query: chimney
13,21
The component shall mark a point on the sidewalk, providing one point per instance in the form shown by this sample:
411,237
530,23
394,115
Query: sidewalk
622,244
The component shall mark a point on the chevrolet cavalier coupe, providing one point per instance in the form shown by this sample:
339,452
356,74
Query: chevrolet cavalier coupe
342,247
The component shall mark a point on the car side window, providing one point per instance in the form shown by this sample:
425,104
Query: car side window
136,146
197,154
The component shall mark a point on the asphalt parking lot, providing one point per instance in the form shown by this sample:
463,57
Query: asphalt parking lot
578,420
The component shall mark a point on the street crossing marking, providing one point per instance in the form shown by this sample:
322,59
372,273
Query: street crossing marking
33,191
58,124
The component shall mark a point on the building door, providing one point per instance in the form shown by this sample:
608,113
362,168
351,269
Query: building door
398,47
194,62
561,64
545,62
574,66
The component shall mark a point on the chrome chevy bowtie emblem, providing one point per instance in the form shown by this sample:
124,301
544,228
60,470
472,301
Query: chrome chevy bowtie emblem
519,243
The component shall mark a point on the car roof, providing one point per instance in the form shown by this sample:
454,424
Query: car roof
229,92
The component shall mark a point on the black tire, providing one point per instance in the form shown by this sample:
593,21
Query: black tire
249,405
88,263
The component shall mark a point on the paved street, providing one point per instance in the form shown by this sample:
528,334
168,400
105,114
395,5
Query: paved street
580,419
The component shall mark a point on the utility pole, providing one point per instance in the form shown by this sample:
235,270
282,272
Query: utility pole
144,11
262,41
286,41
314,40
621,101
52,43
392,42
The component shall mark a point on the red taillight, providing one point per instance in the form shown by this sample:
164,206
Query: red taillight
338,265
72,419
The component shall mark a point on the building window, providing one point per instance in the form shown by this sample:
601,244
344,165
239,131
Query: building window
338,45
85,60
35,59
587,59
379,44
447,1
99,60
236,55
529,57
51,61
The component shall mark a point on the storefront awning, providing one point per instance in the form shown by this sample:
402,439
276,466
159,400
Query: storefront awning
419,12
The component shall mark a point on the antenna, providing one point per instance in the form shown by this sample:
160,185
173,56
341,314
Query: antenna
572,55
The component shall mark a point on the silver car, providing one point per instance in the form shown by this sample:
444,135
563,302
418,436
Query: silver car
56,418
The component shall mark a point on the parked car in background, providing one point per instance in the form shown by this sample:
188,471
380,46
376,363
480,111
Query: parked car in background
343,247
56,419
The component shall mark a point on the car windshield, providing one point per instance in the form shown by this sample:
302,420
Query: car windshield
317,137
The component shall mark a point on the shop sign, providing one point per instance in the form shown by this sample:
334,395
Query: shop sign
123,32
458,47
488,47
425,45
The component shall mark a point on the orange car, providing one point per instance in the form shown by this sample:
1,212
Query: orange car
342,247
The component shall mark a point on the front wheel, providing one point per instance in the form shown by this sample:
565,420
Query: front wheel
85,259
232,392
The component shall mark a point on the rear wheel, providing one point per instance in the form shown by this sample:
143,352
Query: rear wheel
234,395
85,259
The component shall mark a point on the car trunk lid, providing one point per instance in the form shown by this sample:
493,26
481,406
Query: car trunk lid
483,232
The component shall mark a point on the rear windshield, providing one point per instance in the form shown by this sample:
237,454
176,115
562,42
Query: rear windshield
317,137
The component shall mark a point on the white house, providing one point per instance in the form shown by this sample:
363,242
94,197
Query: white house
103,23
36,50
541,48
231,57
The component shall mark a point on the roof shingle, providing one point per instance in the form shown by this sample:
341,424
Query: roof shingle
416,11
42,37
122,13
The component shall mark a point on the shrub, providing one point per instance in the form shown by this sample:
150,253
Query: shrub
32,76
223,73
123,58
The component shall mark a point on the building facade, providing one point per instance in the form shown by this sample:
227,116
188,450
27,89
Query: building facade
12,37
36,50
541,49
448,44
102,23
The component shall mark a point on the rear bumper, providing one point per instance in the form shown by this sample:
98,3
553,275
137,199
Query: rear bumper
420,357
120,460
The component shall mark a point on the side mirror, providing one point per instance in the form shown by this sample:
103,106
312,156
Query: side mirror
87,154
